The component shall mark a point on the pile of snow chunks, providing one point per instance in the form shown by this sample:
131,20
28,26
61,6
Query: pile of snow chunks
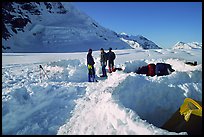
160,69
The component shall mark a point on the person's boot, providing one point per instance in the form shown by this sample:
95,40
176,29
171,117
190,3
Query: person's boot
113,69
109,70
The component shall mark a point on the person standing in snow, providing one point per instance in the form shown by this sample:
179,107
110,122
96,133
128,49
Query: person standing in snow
90,64
103,61
111,58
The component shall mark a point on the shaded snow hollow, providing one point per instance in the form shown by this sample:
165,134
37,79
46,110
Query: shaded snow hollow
124,103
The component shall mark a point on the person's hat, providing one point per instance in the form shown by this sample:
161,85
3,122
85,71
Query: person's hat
110,48
90,50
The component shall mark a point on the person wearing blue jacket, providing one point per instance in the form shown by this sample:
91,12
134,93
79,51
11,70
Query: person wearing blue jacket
90,64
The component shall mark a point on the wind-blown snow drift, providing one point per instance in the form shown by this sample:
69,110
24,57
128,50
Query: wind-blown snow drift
124,103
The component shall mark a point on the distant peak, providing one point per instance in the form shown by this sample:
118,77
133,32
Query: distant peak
180,42
183,45
123,33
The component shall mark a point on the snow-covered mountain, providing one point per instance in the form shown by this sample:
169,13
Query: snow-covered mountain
182,45
138,41
52,27
59,27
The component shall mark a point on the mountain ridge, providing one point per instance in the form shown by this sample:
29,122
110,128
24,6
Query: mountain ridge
191,45
59,27
51,27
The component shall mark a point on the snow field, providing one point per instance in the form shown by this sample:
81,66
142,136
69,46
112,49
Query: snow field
34,105
65,103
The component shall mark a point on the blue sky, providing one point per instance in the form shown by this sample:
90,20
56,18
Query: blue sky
165,23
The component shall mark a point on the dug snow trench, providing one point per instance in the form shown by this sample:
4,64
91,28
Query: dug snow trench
97,113
124,103
156,98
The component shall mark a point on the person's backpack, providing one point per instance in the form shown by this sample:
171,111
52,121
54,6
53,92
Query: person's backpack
151,69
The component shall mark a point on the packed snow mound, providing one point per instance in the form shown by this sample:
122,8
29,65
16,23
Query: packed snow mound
138,41
182,45
124,103
45,27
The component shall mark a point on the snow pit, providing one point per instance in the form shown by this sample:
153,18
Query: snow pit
156,98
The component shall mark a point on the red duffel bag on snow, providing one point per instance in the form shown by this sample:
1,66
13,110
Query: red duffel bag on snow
151,70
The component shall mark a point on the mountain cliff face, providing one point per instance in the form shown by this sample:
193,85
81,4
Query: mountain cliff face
138,41
15,15
183,45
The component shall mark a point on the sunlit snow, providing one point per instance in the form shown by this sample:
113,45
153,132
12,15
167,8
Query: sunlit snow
124,103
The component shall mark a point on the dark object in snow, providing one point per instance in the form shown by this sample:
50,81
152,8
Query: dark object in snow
177,123
159,69
44,72
119,69
151,69
163,69
142,70
191,63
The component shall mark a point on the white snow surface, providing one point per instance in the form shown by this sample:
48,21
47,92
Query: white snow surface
125,103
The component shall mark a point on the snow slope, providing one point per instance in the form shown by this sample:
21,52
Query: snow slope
55,30
183,45
138,41
124,103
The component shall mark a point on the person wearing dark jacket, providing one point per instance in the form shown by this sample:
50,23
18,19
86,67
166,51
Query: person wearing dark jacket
103,60
90,64
111,58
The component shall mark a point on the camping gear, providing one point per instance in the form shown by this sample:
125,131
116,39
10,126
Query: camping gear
151,69
163,69
142,70
188,118
191,63
119,69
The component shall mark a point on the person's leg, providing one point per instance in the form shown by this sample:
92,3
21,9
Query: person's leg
93,75
105,74
103,71
89,78
113,69
89,74
109,66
